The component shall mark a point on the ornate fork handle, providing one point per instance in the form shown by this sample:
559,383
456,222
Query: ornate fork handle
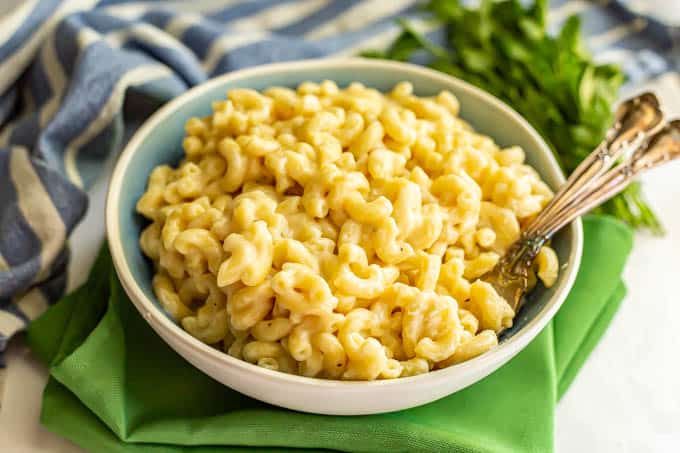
634,119
662,147
593,183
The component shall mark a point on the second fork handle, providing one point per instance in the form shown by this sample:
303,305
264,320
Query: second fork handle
662,147
635,118
596,164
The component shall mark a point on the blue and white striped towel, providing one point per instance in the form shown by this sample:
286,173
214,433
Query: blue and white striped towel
78,76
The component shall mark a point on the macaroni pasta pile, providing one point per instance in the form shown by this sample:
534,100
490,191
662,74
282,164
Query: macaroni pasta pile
339,233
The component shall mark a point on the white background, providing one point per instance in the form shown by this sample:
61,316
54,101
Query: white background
625,399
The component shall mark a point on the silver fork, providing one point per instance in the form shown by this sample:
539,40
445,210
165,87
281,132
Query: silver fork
637,141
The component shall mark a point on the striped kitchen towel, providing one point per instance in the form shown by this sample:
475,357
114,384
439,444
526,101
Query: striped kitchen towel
78,76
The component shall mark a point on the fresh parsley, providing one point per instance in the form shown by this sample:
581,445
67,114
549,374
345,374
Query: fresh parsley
503,47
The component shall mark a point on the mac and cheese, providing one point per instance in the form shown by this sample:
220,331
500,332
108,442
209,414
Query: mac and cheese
339,233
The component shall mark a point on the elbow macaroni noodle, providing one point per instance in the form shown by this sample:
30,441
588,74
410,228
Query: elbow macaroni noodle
339,233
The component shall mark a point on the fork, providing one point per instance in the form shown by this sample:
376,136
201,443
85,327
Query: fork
638,140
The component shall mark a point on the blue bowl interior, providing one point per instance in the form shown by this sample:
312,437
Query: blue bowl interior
163,145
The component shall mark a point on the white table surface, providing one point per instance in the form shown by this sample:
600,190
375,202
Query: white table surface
625,399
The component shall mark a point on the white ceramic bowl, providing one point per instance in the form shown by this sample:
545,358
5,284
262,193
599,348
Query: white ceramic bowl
159,141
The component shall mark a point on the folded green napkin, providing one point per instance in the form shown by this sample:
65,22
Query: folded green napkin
115,386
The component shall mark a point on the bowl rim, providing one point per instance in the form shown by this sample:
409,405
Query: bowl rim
154,316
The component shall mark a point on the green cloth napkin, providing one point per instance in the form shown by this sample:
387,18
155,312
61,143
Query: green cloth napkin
116,387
